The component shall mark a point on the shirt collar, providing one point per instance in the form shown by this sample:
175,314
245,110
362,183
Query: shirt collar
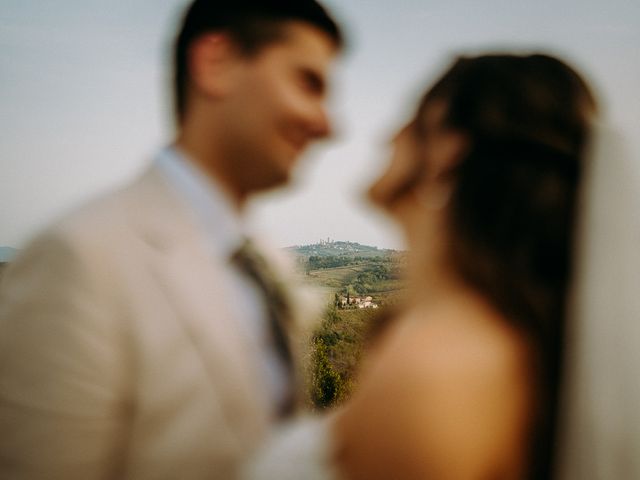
214,211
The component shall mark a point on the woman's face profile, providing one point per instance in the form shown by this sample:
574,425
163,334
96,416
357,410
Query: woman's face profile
416,175
391,189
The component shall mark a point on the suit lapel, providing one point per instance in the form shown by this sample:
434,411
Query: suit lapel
199,297
193,283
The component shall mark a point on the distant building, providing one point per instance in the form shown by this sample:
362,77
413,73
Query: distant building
359,302
326,242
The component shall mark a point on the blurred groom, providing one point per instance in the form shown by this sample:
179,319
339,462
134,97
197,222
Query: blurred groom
145,335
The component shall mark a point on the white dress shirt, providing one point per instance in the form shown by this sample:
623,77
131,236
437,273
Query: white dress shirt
224,230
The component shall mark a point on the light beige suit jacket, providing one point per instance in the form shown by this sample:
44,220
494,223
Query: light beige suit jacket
119,357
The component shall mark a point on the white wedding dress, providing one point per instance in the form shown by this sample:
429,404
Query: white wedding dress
600,412
301,450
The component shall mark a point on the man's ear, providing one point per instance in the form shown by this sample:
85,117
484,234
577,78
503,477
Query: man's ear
213,64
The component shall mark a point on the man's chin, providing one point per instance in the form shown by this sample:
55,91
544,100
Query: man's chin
283,168
272,181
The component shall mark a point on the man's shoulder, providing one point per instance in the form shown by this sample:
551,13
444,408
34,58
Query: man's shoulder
97,226
113,213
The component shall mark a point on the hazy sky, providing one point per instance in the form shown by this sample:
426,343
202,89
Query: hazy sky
85,99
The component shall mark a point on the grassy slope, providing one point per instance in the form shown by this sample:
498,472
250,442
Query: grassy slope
344,332
333,280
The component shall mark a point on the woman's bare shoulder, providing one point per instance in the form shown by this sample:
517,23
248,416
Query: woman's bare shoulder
450,384
432,345
461,338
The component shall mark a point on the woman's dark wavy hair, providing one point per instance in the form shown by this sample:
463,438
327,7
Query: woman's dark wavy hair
511,215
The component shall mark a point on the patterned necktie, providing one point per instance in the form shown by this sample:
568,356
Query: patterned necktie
255,266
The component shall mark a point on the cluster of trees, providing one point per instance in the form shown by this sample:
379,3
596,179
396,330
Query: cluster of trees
376,269
368,280
328,385
327,248
316,262
336,349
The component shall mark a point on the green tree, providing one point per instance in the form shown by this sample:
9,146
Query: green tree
327,386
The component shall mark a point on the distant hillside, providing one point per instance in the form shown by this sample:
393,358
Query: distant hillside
330,248
348,267
360,283
7,254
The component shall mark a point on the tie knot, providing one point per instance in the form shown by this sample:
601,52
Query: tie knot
248,256
251,261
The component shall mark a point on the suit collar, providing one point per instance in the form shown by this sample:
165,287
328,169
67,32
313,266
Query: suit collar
184,265
218,217
189,274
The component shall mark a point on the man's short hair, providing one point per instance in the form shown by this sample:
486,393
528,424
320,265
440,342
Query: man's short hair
252,24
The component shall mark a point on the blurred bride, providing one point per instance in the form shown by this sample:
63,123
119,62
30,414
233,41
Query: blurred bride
470,380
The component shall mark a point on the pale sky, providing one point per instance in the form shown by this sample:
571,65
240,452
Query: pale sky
85,99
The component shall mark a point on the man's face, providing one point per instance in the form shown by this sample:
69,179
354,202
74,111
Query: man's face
276,107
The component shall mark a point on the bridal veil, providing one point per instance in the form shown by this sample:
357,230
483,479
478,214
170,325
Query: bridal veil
600,410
